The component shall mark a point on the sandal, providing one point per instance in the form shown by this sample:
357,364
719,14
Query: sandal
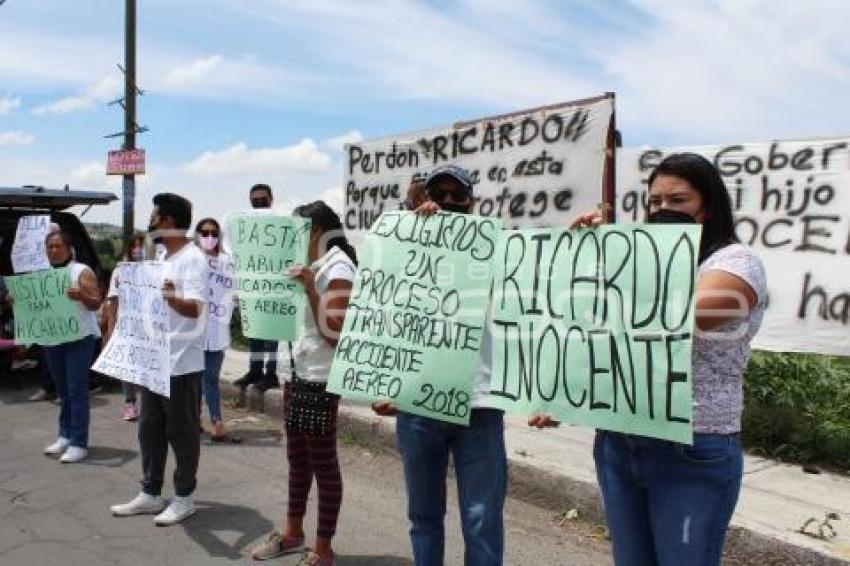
277,545
310,558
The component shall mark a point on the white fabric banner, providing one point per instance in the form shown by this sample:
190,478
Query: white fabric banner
791,201
533,168
139,350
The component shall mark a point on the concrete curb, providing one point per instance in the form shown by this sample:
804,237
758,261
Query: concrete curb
548,489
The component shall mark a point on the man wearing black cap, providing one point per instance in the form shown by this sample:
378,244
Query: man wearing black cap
478,451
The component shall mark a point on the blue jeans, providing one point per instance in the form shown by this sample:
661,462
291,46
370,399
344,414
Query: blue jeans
478,453
259,349
668,503
69,366
212,370
47,382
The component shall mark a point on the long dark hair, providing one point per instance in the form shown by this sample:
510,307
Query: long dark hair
214,222
128,249
323,216
718,230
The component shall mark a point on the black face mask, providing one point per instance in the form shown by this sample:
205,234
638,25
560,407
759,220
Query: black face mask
453,207
261,203
63,263
667,216
155,237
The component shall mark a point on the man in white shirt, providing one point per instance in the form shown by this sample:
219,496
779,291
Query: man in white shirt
174,420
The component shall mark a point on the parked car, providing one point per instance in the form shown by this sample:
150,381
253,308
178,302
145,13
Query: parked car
22,201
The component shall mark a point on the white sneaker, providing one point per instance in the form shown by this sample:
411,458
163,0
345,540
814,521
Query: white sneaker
179,509
143,504
57,447
74,454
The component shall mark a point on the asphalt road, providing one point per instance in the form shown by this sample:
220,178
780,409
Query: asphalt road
52,513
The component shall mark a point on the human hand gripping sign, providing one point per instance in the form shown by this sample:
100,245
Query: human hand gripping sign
169,291
306,276
74,294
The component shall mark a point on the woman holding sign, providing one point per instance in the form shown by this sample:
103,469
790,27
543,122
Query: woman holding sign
221,289
69,362
135,251
310,411
669,503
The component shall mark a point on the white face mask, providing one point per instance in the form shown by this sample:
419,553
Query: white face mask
209,243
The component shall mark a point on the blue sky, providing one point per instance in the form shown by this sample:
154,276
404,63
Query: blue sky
243,91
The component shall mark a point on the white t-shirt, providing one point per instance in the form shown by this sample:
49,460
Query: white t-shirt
88,318
220,298
112,292
720,355
484,366
313,354
187,268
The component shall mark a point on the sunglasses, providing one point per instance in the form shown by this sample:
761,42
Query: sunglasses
260,203
208,233
439,195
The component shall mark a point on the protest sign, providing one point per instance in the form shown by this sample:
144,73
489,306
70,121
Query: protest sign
594,327
536,167
791,201
29,251
222,294
415,320
264,247
44,314
139,350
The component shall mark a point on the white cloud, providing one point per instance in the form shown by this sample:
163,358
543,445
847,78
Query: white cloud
92,175
41,57
732,70
220,77
16,138
334,198
395,49
64,106
193,72
7,104
337,143
104,90
238,159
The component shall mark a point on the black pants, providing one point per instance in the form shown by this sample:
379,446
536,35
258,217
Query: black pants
175,421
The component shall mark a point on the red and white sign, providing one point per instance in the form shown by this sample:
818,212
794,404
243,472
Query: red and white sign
126,162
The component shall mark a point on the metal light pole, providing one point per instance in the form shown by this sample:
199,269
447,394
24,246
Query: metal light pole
129,180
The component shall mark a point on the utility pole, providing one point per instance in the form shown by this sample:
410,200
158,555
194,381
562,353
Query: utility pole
129,180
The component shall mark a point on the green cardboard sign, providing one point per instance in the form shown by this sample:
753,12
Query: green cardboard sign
44,314
264,247
415,321
594,327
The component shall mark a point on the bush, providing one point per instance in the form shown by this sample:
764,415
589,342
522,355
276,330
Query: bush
797,407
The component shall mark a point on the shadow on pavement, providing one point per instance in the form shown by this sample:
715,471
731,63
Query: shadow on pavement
109,457
212,517
255,437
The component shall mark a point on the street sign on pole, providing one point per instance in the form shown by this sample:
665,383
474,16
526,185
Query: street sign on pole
126,162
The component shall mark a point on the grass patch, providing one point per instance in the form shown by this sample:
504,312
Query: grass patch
797,408
347,438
